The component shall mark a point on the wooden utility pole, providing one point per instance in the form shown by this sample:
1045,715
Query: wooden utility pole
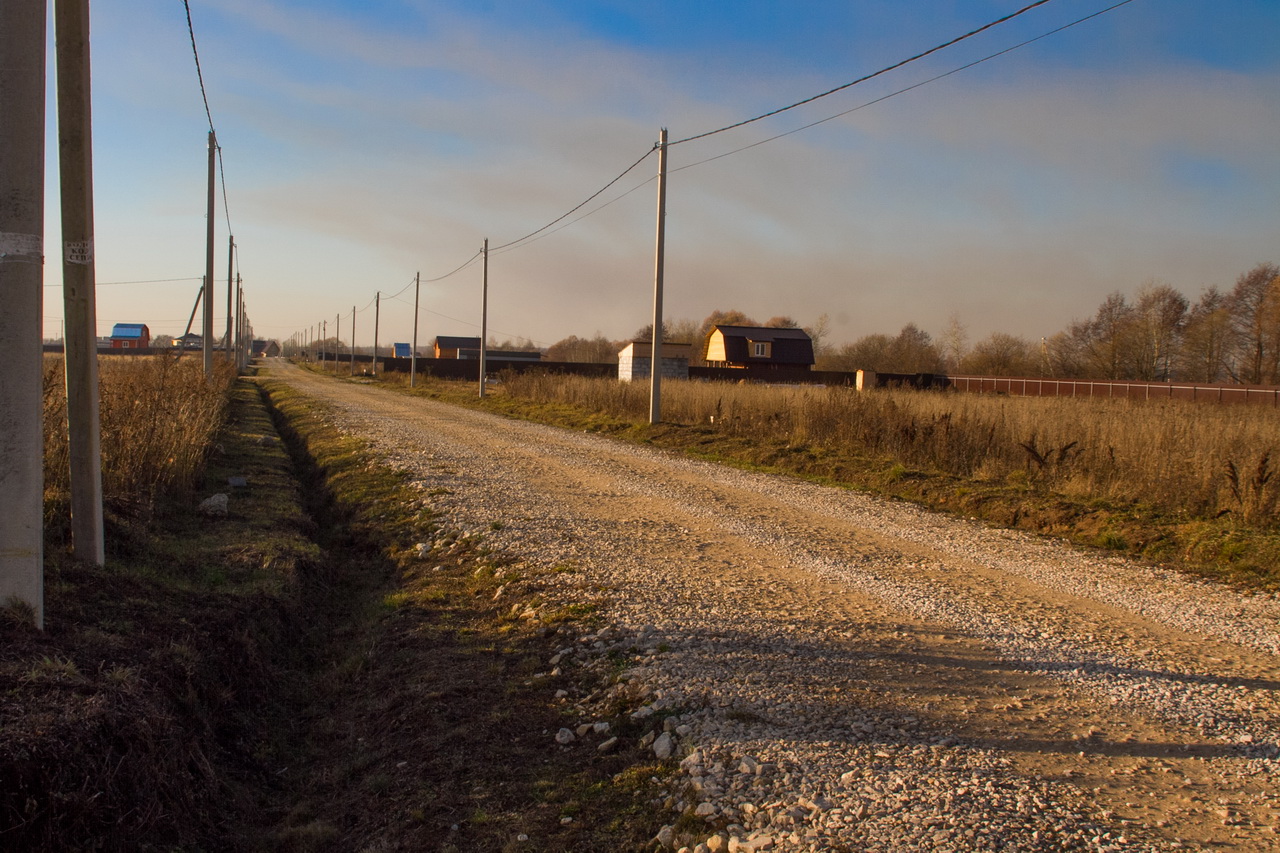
75,147
484,311
377,316
231,257
22,93
413,354
207,325
655,358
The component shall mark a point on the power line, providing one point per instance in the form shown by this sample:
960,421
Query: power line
906,89
192,31
587,201
871,76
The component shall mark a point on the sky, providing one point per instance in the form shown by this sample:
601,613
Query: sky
364,142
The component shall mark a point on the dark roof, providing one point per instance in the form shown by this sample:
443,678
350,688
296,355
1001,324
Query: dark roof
129,330
501,354
790,346
449,342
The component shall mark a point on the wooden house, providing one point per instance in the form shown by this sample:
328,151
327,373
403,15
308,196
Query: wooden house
130,336
759,348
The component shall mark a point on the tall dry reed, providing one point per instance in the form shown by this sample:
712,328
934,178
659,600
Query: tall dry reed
159,417
1197,458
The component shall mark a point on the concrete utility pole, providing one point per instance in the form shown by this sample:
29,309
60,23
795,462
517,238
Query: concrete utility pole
484,312
75,146
377,316
337,342
231,259
22,76
241,357
655,358
413,354
207,326
353,340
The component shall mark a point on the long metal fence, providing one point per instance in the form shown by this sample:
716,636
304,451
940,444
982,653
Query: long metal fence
1200,392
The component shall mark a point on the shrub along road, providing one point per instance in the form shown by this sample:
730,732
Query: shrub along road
834,672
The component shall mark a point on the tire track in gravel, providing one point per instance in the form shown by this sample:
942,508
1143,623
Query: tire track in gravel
1124,696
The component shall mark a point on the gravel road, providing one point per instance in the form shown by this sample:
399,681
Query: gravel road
837,672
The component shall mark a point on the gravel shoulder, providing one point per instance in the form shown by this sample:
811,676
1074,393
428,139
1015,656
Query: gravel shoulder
835,672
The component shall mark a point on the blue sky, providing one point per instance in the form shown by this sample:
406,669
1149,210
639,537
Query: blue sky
367,141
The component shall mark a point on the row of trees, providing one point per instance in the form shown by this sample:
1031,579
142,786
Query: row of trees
1157,335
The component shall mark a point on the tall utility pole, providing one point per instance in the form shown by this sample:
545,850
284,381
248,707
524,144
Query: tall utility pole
377,316
337,343
484,311
231,259
655,358
22,84
413,354
75,146
241,361
353,340
207,326
324,336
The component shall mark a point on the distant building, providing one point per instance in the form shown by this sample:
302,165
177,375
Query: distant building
447,346
759,349
266,349
189,341
469,348
635,361
130,336
401,351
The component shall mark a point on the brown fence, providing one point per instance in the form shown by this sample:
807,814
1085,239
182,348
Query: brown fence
1024,387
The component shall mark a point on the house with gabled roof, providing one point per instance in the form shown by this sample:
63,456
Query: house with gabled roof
130,336
759,348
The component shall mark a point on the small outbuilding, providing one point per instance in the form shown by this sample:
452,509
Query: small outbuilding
401,351
635,361
130,336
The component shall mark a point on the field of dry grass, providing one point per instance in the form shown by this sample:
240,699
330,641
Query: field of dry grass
159,418
1198,459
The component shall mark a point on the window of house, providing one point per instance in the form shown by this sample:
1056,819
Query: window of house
760,349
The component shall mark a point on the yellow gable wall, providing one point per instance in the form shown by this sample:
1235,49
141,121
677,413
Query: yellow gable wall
715,346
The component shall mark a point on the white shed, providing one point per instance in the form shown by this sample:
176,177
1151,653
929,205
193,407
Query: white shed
635,361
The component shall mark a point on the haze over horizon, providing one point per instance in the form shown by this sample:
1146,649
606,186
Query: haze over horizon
367,141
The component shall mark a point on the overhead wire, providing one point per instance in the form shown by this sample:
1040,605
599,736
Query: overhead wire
584,203
870,76
906,89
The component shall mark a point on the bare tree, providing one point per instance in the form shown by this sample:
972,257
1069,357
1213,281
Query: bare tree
1206,337
953,342
1254,305
1151,334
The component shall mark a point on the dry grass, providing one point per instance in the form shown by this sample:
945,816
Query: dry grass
1193,458
159,418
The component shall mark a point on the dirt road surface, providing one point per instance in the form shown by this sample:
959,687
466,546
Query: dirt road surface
836,672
